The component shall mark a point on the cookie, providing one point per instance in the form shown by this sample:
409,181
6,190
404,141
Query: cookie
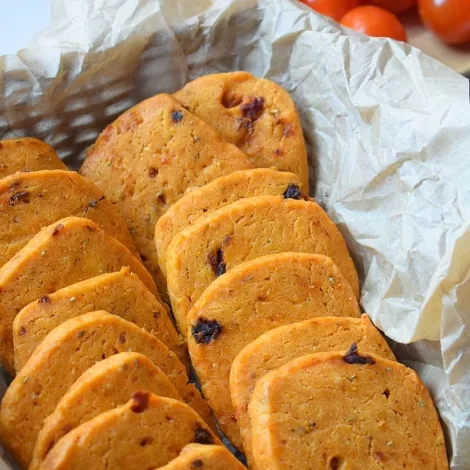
345,410
67,352
27,154
281,345
249,300
121,293
253,113
145,433
149,158
207,457
104,386
217,194
34,200
243,231
66,252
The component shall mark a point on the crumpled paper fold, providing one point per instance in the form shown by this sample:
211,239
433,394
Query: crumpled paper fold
387,128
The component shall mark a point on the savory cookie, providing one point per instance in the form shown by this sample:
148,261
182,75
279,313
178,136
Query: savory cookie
66,252
67,352
27,154
249,300
121,293
104,386
253,113
206,457
147,432
281,345
217,194
345,410
149,158
244,230
31,201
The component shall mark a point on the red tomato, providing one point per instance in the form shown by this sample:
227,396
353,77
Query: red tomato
395,6
448,19
374,21
335,9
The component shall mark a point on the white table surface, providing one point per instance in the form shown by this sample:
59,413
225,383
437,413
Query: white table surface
20,20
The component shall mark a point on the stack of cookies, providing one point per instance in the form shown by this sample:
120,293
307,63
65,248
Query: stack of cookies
101,374
209,187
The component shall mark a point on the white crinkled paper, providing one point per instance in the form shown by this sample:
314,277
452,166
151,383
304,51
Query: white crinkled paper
388,132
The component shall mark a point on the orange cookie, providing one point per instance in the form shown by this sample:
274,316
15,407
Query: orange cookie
149,158
121,293
243,231
253,113
345,410
145,433
251,299
207,457
104,386
31,201
27,154
217,194
66,252
67,352
281,345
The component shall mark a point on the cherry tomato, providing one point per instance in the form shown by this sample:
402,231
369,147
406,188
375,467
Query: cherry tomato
374,21
448,19
335,9
395,6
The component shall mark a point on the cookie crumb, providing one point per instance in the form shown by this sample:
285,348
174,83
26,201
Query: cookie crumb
206,331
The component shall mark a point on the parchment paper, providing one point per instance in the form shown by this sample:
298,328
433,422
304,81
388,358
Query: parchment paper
388,133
